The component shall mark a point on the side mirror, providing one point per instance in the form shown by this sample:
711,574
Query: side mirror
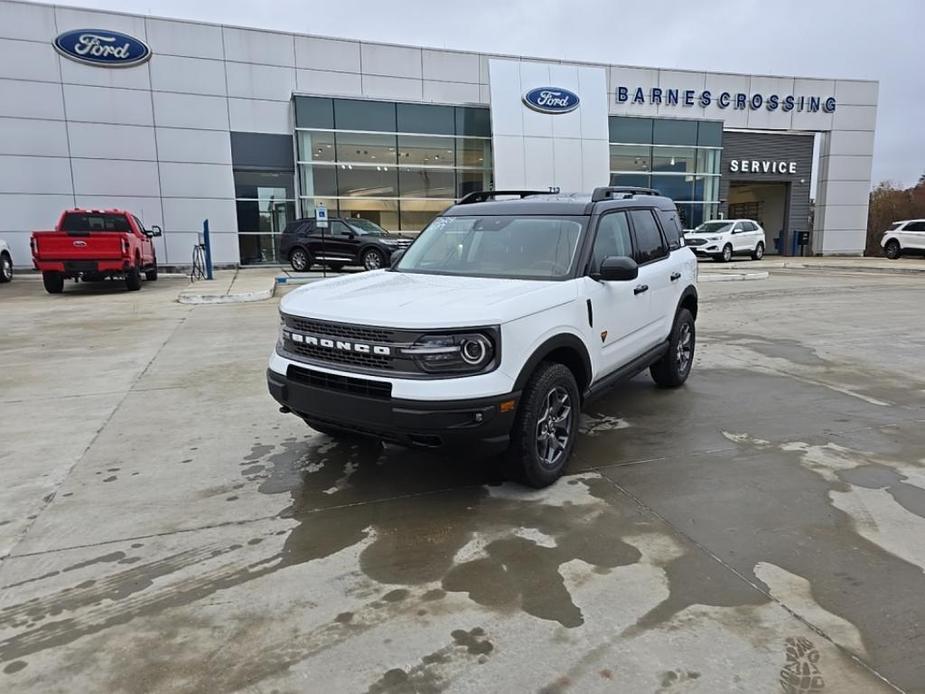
156,231
393,261
617,268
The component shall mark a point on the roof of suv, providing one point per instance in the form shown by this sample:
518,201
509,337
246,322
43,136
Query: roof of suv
540,203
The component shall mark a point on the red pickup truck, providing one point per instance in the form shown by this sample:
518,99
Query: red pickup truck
93,245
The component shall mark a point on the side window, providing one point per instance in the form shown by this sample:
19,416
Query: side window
737,227
613,238
339,229
915,226
751,226
672,228
649,242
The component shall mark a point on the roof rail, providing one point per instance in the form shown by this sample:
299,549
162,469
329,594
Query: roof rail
611,192
483,195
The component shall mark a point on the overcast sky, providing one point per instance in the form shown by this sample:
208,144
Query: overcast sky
812,38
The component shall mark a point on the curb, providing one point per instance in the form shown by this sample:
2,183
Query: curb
734,277
899,270
239,298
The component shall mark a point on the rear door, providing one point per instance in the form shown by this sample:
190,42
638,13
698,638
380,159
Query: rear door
346,241
913,235
147,243
655,272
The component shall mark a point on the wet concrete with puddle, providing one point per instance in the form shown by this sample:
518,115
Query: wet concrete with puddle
760,529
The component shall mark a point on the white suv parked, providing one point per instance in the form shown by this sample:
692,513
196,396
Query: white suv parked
495,326
721,239
904,237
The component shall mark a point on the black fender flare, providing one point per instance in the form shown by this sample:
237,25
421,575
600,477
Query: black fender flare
562,340
687,296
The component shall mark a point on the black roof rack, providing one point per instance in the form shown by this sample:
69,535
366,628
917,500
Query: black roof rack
483,195
611,192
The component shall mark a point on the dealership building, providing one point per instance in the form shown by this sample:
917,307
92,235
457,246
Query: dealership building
180,122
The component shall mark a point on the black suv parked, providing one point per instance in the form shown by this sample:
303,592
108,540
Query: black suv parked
345,242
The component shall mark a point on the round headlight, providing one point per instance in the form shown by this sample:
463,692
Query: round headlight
474,349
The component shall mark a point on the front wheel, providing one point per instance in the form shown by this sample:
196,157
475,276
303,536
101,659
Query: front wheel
673,369
725,256
546,426
300,260
151,273
758,253
53,282
6,268
892,249
373,259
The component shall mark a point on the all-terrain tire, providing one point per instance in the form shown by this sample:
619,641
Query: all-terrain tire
673,369
545,427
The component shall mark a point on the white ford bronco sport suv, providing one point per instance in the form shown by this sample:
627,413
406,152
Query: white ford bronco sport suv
495,326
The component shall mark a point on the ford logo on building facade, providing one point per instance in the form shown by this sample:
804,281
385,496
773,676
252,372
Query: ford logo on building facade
551,100
102,48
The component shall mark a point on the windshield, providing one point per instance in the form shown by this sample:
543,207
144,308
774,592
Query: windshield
534,247
713,227
94,221
895,225
366,227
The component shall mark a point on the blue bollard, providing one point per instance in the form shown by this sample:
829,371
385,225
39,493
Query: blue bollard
208,248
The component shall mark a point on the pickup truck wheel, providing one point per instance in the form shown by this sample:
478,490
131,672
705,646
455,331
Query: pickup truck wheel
892,249
6,267
53,281
373,259
546,426
133,279
758,253
151,273
673,369
300,260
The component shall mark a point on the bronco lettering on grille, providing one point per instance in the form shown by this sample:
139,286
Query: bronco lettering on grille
342,345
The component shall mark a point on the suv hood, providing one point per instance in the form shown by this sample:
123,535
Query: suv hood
408,300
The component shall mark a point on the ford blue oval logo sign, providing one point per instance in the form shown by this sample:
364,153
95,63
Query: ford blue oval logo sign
551,100
102,48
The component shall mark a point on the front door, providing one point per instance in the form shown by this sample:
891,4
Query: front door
618,312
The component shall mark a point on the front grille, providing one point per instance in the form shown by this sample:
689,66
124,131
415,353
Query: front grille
695,242
371,361
342,384
342,330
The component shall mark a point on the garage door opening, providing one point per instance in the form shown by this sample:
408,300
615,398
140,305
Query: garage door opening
766,203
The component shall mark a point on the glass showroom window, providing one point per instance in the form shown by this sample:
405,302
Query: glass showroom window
265,204
398,165
679,158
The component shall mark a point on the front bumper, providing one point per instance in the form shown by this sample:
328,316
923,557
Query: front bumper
367,408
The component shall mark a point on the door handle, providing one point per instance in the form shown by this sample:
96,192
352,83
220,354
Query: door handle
675,276
641,288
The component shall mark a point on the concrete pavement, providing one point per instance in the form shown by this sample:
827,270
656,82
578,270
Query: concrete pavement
164,528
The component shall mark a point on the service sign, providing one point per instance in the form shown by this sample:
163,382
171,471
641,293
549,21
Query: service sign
551,100
102,48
